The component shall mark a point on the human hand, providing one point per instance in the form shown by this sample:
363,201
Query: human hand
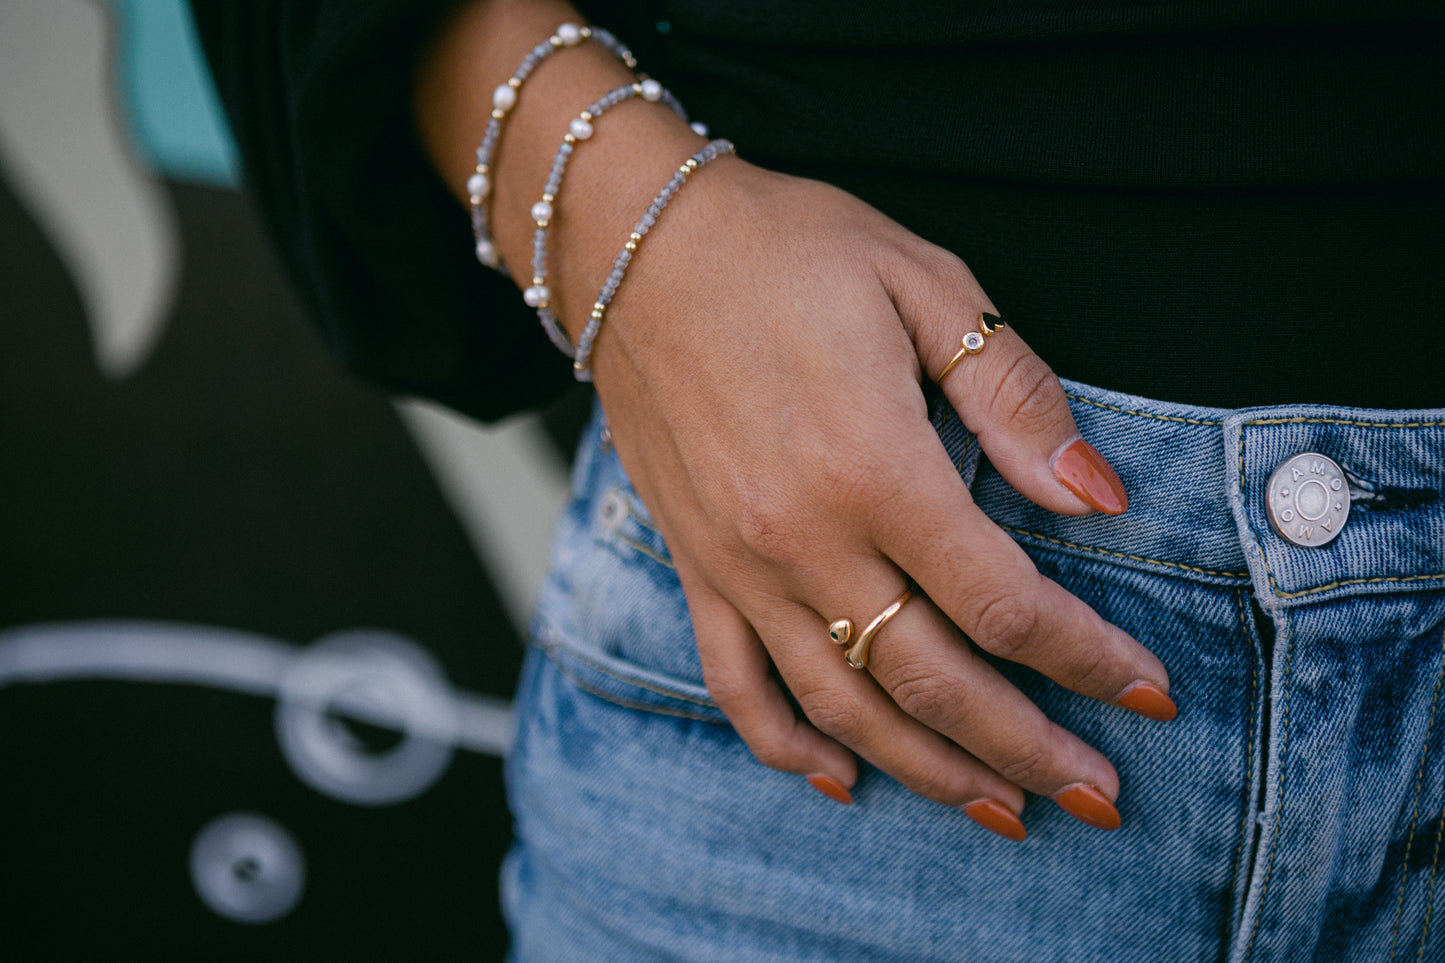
761,372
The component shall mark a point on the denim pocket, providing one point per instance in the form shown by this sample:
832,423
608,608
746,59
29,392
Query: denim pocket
612,614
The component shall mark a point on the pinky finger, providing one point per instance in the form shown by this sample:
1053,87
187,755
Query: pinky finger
739,677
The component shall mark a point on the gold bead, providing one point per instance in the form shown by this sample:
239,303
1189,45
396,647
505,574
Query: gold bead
636,236
631,245
514,82
498,114
548,198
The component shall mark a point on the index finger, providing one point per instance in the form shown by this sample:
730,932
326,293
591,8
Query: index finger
987,586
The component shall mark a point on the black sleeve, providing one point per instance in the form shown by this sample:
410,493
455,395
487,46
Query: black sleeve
319,97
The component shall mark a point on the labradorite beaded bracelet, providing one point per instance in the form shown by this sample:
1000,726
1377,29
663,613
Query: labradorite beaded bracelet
504,98
581,365
579,129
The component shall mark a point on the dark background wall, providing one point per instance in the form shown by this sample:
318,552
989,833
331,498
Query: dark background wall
258,625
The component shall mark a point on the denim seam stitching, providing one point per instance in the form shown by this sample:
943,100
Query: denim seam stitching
632,513
1234,869
655,690
1279,803
629,703
1435,860
1124,555
1145,414
644,524
1415,812
1301,420
963,455
637,546
1341,583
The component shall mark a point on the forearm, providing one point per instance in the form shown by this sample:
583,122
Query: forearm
609,179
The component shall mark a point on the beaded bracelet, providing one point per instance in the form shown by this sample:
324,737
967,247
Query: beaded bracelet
504,98
580,129
581,364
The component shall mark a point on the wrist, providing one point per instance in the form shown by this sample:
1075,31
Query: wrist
609,181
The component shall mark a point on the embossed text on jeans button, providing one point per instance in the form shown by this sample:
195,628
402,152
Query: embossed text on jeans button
1308,500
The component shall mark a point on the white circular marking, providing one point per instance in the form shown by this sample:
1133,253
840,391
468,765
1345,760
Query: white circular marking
247,868
376,679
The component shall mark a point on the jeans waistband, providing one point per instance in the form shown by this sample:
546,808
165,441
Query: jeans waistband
1197,477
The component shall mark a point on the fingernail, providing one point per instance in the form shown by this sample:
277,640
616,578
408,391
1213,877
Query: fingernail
1088,806
1088,475
1149,701
996,818
831,788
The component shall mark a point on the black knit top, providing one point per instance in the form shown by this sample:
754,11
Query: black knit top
1226,204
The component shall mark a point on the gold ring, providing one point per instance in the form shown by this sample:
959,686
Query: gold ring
972,343
841,630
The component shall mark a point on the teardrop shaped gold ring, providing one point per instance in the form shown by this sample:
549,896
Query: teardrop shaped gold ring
841,630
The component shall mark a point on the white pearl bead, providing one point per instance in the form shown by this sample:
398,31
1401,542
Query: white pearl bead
541,212
487,254
504,97
478,185
699,128
580,128
536,296
570,34
651,90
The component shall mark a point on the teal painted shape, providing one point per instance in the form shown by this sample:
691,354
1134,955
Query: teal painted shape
175,118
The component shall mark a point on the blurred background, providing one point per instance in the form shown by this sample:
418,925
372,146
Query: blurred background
259,625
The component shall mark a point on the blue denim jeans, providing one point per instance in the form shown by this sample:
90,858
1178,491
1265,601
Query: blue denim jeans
1293,811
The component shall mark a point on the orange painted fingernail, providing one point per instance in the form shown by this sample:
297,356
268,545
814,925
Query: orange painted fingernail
831,788
1088,806
1089,475
996,818
1149,701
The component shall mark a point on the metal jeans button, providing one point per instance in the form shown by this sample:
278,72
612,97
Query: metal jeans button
1308,499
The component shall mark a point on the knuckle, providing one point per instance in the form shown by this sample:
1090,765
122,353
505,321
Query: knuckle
1090,672
942,268
835,715
728,691
771,531
923,695
937,784
1028,764
1029,395
1005,624
770,748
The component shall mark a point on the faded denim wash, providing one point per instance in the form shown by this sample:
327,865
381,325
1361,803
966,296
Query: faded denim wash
1293,811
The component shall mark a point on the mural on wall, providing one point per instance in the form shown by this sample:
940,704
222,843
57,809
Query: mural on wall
258,624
